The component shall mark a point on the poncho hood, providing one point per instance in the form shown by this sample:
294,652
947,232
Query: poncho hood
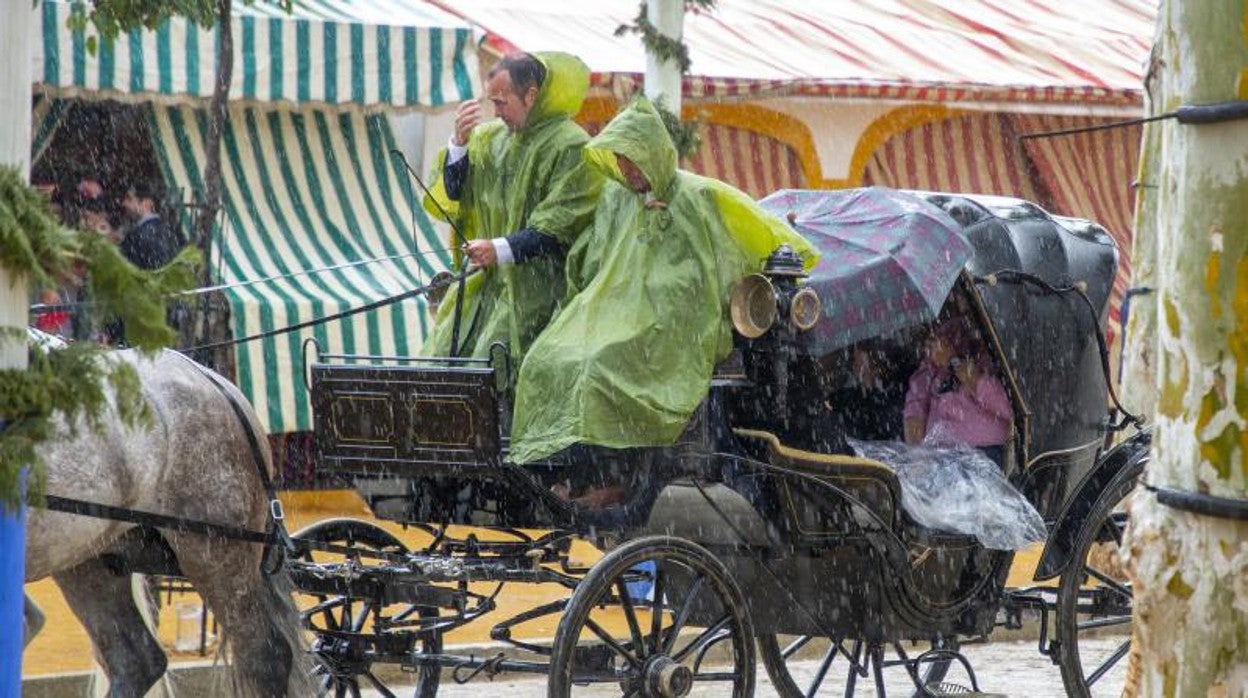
563,91
638,134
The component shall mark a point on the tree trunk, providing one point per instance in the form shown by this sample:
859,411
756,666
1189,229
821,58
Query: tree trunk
217,113
214,328
1191,571
1140,340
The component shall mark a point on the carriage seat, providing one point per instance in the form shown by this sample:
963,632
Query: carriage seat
818,511
868,482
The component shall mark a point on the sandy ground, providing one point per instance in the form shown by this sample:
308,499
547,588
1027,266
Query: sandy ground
63,645
1002,668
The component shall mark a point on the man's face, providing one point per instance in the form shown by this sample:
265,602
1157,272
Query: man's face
512,108
632,174
134,206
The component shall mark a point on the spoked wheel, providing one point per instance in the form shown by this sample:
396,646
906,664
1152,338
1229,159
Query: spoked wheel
353,633
654,617
802,666
1094,603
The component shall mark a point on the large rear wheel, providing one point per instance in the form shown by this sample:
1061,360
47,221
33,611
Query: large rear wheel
1094,602
654,617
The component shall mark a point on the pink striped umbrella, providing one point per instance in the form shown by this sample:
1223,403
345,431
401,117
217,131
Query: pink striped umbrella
889,259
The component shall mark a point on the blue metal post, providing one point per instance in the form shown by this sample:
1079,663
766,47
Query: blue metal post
12,582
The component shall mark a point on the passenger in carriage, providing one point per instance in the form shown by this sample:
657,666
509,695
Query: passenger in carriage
869,405
629,356
955,398
519,191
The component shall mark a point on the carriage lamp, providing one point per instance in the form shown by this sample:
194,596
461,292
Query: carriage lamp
753,306
805,308
801,305
761,298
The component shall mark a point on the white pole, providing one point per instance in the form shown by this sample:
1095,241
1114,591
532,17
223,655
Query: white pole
663,78
16,41
17,33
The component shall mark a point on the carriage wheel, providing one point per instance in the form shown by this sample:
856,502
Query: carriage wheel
344,660
654,617
778,651
1094,603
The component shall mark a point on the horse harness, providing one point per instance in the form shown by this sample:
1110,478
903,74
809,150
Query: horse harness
275,528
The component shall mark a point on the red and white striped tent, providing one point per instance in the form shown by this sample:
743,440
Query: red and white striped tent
926,94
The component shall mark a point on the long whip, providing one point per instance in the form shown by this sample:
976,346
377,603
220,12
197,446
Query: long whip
463,268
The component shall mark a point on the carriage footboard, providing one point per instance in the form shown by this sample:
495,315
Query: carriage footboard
405,420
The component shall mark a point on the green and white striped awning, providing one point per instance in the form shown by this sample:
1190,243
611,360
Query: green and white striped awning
371,53
307,189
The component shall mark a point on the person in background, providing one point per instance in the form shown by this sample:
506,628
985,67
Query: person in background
955,398
149,243
93,212
519,191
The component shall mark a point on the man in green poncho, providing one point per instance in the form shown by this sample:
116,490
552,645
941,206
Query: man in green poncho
520,177
629,356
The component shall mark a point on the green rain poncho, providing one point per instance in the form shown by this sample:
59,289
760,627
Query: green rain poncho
537,179
630,354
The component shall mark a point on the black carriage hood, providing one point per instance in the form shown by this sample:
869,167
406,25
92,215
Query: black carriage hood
1048,339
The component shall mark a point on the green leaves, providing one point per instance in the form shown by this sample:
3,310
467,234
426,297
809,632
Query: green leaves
110,18
666,48
32,243
113,17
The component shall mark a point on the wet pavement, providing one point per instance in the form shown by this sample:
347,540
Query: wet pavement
1003,668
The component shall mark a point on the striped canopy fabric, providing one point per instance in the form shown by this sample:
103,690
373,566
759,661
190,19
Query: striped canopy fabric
973,153
47,116
753,162
305,190
371,53
1090,175
1030,51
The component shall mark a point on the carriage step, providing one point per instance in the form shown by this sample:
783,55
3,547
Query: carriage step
945,688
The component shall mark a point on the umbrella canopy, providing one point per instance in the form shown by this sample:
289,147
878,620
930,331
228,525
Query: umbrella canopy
889,260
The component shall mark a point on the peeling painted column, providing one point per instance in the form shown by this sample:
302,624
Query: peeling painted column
1191,571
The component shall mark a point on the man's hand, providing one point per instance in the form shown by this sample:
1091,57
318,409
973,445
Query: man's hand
467,116
481,253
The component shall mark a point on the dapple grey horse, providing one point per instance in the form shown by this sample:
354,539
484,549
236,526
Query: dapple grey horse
193,462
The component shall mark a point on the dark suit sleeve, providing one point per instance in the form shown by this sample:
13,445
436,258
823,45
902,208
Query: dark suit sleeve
150,246
527,244
454,176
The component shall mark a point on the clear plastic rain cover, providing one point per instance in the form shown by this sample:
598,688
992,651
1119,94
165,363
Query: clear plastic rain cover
959,490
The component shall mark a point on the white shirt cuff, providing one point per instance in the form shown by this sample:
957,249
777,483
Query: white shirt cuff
454,153
502,250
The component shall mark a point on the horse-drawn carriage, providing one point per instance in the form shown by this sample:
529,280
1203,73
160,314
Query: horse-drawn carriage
748,535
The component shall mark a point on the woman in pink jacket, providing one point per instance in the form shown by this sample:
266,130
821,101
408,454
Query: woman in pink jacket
955,398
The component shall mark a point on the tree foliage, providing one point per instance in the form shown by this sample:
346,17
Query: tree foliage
74,381
658,43
113,17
